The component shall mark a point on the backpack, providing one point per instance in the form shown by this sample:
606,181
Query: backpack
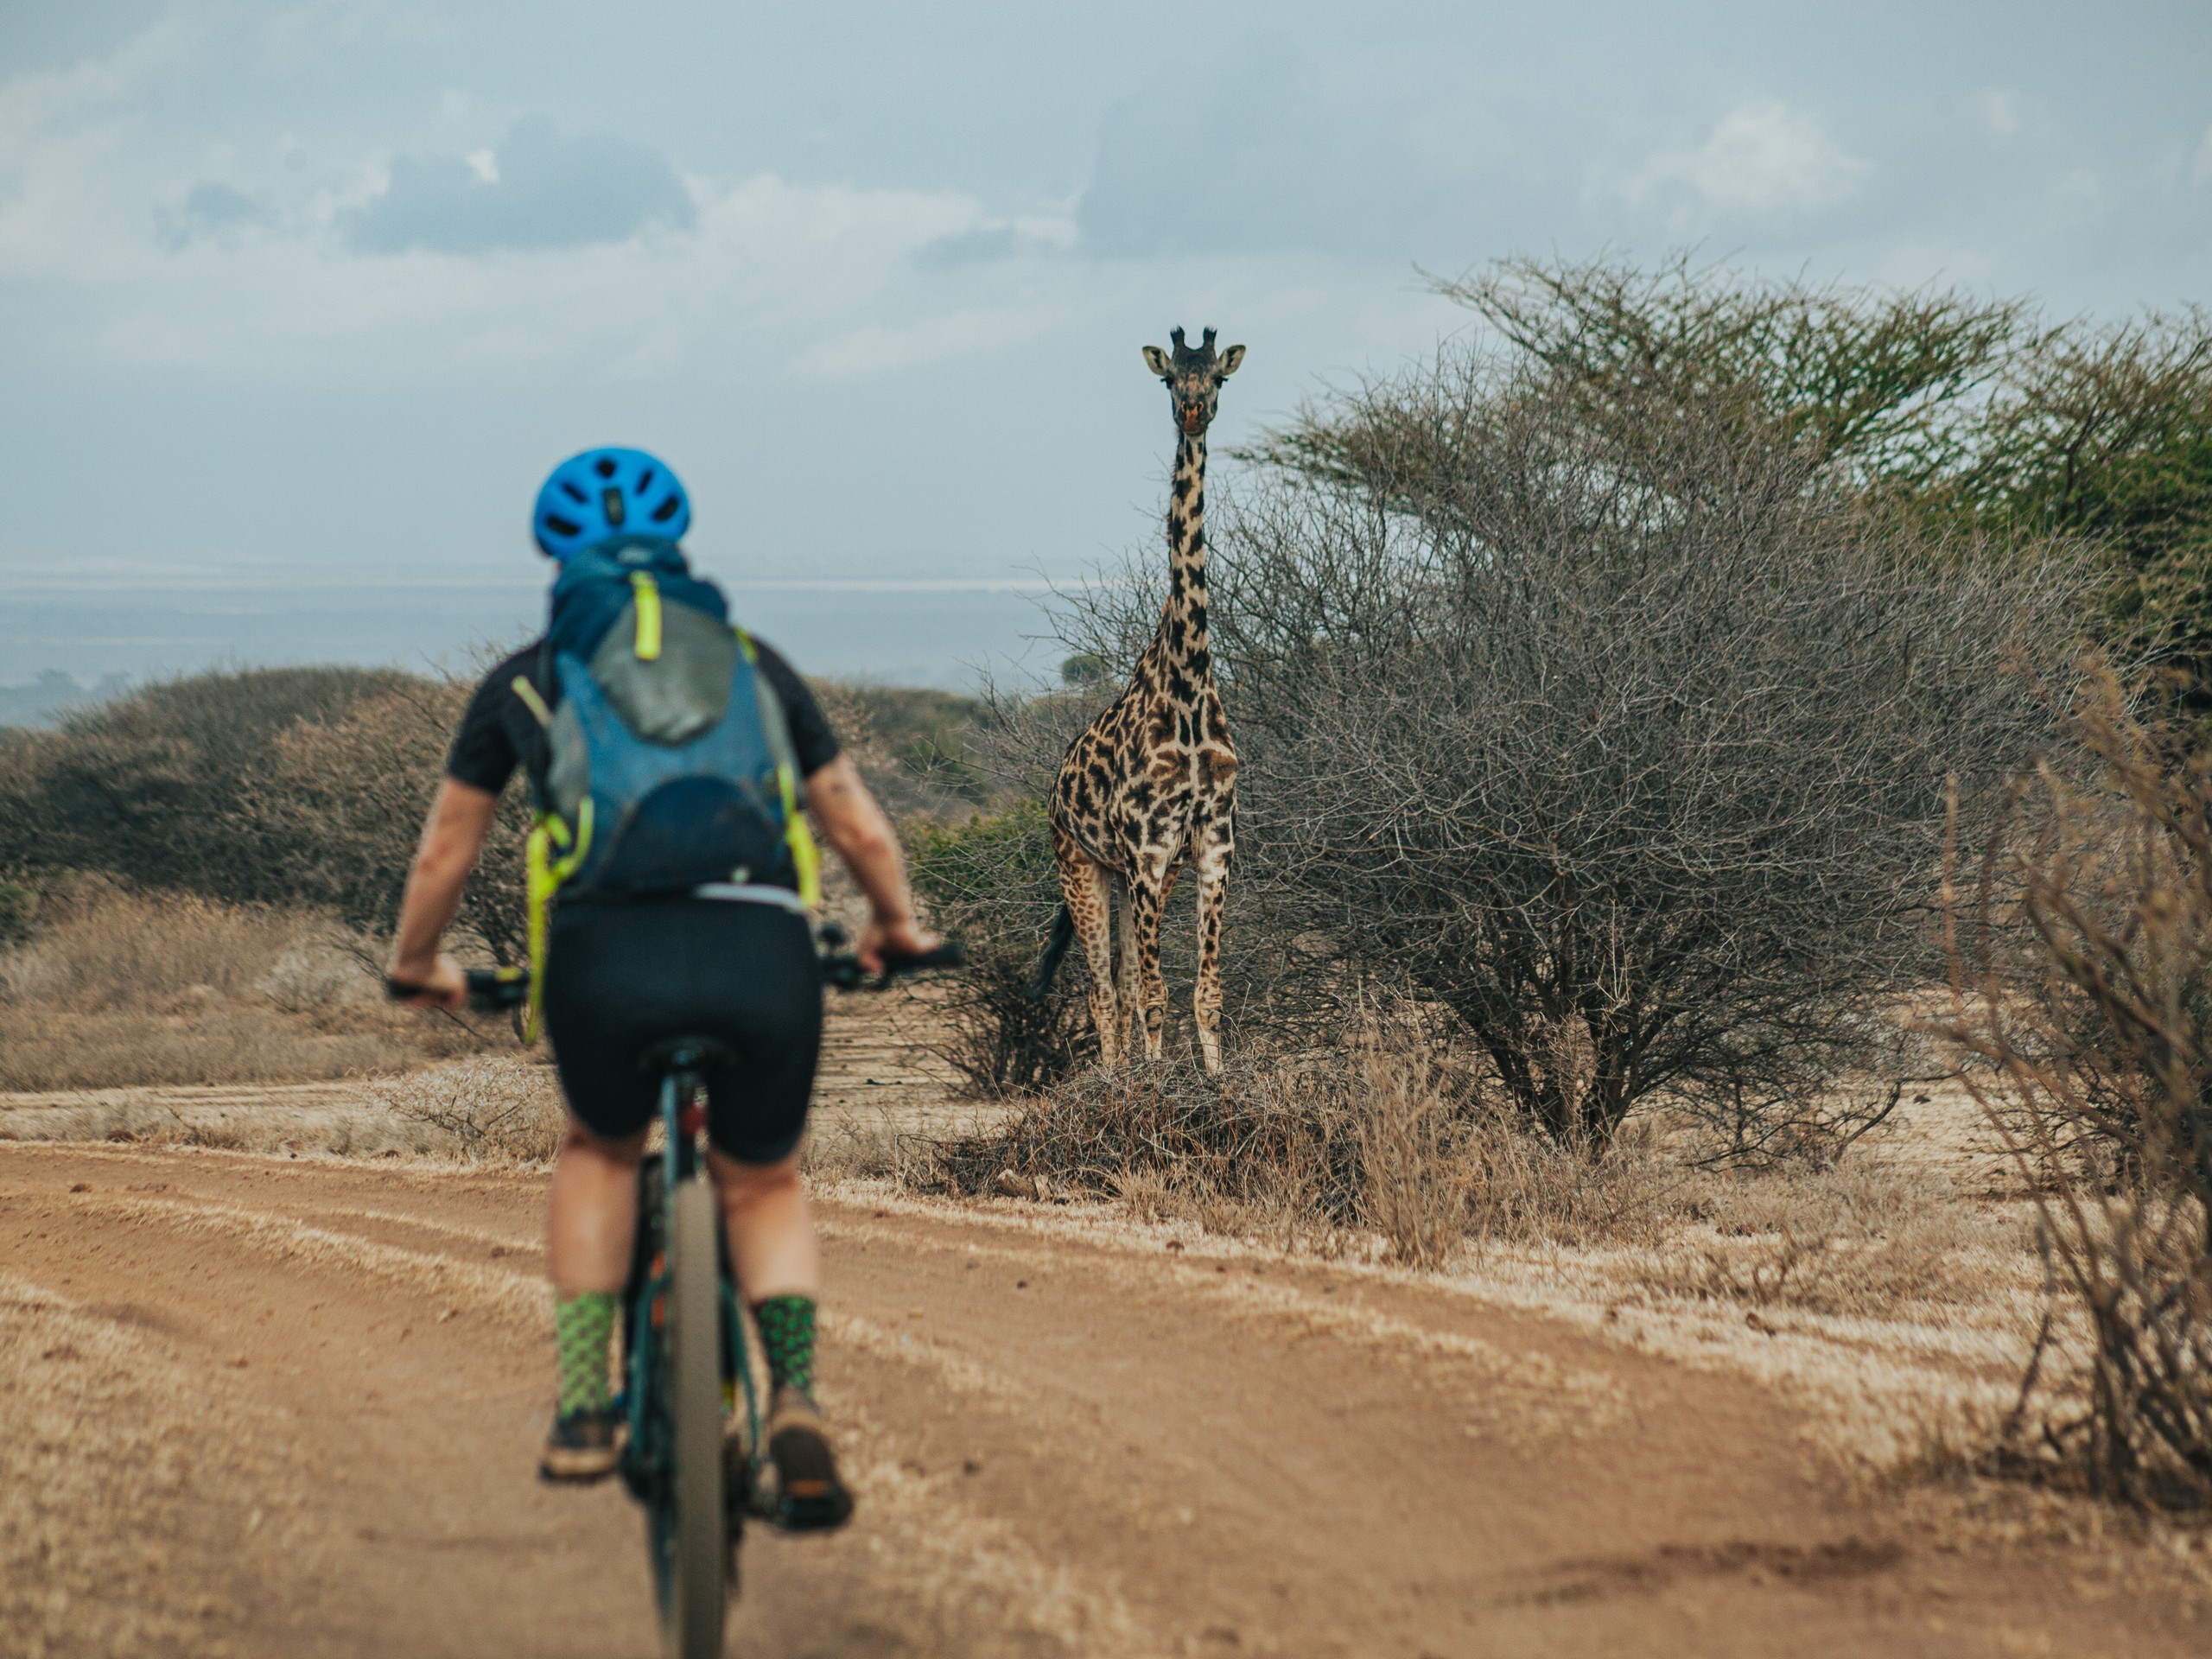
671,762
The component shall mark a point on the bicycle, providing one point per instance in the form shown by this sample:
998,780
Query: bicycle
685,1361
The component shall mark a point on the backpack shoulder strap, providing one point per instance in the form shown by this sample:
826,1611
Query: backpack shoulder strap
806,858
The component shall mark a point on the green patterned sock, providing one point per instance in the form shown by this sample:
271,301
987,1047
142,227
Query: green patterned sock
582,1328
787,1340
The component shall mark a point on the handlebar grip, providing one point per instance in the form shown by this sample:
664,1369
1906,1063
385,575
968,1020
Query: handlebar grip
843,970
490,990
496,990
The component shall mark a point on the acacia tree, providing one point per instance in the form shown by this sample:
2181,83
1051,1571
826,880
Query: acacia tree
1619,726
1889,388
2106,433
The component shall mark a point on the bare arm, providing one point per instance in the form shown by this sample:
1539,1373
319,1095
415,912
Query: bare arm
461,816
856,827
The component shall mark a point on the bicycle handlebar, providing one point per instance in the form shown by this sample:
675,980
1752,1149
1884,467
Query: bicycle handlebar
843,970
500,990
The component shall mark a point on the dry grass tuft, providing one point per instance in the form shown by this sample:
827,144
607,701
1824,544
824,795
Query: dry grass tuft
481,1111
1863,1241
117,989
1391,1136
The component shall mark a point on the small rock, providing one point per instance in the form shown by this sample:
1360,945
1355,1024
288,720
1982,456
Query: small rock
121,1136
82,1187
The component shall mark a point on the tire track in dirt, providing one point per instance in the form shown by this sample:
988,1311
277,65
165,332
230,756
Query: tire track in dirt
1063,1446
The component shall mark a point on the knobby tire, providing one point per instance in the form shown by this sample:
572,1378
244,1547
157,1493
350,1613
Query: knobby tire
699,1567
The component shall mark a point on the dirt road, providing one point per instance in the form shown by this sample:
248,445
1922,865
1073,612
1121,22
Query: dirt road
273,1407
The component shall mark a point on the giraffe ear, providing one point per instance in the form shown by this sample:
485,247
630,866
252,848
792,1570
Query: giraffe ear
1156,360
1230,359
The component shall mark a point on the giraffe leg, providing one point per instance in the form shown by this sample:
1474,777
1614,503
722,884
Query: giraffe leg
1084,885
1127,1001
1212,866
1148,900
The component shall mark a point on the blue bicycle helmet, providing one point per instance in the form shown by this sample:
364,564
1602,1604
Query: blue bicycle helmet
603,493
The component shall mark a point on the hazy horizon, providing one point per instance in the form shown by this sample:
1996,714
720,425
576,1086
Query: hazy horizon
303,300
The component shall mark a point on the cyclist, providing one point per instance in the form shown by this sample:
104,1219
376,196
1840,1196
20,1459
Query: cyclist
619,976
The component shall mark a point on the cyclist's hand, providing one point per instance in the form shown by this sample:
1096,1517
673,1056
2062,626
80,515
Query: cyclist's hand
899,939
444,987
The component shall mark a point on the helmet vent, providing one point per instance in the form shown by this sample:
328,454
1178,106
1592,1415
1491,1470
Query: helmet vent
603,466
610,503
667,510
645,482
561,526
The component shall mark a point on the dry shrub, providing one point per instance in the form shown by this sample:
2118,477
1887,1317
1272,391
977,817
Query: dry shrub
156,787
489,1110
43,1050
107,948
1415,1176
116,988
1863,1241
1391,1133
1265,1143
2097,1041
1528,1186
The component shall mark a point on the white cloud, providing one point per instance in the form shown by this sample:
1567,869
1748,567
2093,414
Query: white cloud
2000,111
271,276
1762,158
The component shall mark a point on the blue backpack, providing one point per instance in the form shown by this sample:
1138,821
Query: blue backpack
672,764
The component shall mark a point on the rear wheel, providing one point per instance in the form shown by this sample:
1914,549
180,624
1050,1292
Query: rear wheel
699,1558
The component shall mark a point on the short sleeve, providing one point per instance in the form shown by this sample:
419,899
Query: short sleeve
815,743
483,754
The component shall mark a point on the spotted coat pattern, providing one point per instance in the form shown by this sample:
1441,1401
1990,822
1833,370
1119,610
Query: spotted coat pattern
1150,788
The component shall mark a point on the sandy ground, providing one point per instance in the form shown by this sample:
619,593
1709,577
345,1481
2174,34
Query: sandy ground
273,1406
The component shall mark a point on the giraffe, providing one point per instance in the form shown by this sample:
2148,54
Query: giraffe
1151,786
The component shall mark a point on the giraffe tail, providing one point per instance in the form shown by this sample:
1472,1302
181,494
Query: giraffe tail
1055,948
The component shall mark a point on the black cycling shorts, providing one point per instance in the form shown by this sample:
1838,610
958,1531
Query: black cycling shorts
620,978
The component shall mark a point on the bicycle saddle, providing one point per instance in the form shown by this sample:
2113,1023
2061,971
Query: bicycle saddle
684,1054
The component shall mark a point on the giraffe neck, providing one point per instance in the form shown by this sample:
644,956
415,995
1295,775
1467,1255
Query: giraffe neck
1182,639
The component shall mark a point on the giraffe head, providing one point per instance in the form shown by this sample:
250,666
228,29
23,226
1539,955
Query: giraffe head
1193,379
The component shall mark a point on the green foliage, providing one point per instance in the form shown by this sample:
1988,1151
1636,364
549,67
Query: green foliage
2107,434
1002,863
1879,384
923,731
991,881
17,906
1970,413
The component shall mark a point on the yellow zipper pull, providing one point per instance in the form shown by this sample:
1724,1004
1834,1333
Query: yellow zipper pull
647,592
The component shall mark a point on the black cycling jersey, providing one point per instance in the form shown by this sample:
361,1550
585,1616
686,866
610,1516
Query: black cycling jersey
500,733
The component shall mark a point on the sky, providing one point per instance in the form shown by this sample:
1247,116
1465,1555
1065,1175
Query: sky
300,302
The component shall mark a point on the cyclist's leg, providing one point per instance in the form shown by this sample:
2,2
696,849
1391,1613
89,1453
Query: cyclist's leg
771,1238
780,1267
590,1220
770,1005
591,1213
591,1216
